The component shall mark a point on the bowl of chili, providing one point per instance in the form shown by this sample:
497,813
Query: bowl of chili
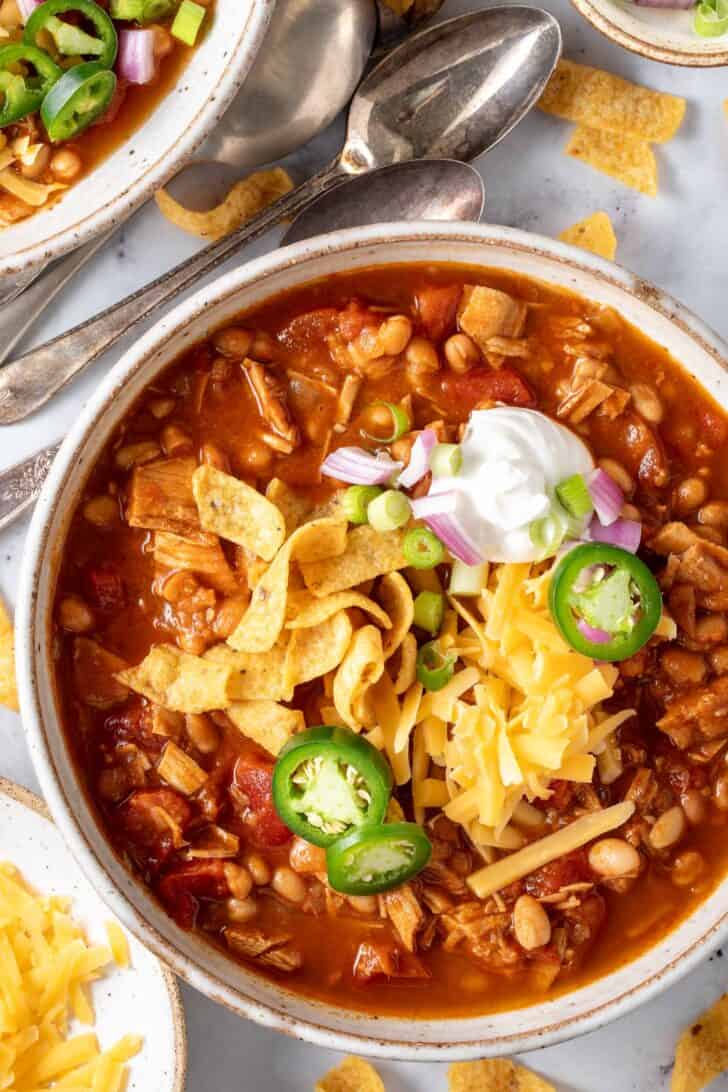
101,107
349,809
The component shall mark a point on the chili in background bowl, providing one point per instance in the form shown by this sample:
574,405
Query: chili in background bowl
271,1003
194,102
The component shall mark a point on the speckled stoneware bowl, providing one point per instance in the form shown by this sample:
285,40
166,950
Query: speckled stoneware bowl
143,163
270,1003
142,999
657,33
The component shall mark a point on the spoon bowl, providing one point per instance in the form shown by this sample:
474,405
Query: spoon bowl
435,189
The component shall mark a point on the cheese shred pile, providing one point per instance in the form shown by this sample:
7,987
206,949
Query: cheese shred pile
525,710
46,966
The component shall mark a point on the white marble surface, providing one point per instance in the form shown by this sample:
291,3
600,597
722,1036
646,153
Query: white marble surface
679,240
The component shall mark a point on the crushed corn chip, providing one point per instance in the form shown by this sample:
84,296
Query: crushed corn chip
361,668
702,1050
632,162
307,611
594,234
270,725
396,598
231,509
353,1075
256,675
247,198
315,651
368,554
179,681
495,1075
8,687
601,100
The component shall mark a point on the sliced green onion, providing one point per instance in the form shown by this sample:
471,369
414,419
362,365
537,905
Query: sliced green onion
399,420
389,511
429,611
711,18
127,10
357,499
434,669
574,495
467,579
187,22
549,532
422,548
446,460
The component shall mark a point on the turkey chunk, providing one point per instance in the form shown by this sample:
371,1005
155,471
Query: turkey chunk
486,312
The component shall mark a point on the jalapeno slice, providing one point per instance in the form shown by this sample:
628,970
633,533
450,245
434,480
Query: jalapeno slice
605,601
72,40
77,99
329,781
376,859
23,94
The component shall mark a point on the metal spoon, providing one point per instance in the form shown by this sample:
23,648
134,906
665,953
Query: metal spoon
452,91
423,190
313,57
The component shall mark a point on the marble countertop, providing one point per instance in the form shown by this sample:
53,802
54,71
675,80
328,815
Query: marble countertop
680,241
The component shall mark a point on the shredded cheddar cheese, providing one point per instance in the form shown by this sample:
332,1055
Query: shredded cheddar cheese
46,965
524,711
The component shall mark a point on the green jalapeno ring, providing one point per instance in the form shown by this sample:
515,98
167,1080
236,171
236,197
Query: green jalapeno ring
377,858
23,95
76,100
329,781
565,598
45,18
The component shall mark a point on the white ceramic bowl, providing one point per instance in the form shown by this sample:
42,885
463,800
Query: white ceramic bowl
144,162
657,33
660,317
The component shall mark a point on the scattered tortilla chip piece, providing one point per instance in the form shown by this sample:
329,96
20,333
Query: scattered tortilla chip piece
247,198
702,1050
495,1075
601,100
725,107
407,667
8,686
399,6
256,675
368,554
353,1075
180,681
631,162
231,509
265,722
361,668
315,651
293,506
260,626
310,611
594,234
396,598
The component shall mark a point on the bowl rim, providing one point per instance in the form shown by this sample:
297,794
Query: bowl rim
646,46
243,51
29,646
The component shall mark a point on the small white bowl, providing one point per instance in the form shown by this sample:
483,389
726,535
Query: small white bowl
180,122
657,33
141,999
204,967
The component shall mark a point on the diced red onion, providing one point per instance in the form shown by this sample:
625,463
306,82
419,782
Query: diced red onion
606,496
596,636
136,62
359,467
625,533
678,5
27,7
419,462
439,512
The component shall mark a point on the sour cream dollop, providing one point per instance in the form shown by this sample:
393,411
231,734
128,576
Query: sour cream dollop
513,459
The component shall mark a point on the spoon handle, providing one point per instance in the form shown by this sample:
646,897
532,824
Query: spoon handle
28,382
21,484
19,314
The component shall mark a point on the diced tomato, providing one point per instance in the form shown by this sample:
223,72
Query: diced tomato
572,868
182,887
133,725
382,960
145,825
487,384
254,778
104,586
437,306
